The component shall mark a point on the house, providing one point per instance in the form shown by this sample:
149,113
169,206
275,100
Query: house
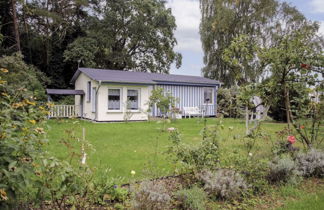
107,95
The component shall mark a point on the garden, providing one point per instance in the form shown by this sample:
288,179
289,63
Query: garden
245,157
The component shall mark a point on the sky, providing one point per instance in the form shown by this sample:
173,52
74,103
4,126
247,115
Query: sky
187,14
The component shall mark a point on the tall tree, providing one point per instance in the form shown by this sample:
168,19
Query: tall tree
128,34
15,23
222,22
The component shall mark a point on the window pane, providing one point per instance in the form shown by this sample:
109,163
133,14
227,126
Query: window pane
132,99
93,100
208,95
114,99
89,91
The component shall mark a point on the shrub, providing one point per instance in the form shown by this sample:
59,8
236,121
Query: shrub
223,184
282,170
151,195
193,199
205,155
311,163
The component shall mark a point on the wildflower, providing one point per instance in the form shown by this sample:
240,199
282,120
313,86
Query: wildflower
30,102
133,172
2,135
4,70
41,108
3,82
17,105
291,139
250,154
3,195
171,129
4,94
302,127
231,128
32,122
39,130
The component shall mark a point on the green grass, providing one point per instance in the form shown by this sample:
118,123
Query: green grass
139,146
312,201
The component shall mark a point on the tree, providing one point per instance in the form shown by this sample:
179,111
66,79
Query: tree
223,21
128,34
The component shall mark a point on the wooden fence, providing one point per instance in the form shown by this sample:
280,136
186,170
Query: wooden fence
65,111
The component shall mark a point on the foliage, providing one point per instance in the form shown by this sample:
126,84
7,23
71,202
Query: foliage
165,102
283,170
228,103
204,155
21,137
223,183
193,198
311,164
56,37
151,195
22,75
131,34
222,22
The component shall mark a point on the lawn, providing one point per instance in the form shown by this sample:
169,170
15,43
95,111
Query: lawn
141,146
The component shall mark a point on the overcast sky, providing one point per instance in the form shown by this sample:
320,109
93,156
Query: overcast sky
187,14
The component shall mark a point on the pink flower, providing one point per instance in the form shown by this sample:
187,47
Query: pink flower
291,139
171,129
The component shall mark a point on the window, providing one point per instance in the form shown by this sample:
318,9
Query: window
94,101
89,91
113,99
132,99
208,95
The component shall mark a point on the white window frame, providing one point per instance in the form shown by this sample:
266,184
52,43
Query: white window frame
93,99
213,96
89,90
139,99
120,100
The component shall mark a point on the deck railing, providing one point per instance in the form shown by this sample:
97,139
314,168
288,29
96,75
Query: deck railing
65,111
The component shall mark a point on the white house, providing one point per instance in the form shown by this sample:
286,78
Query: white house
107,95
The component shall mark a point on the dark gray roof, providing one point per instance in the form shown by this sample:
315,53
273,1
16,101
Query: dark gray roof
64,92
116,76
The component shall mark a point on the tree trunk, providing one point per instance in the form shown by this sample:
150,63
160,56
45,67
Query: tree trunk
247,120
15,22
287,104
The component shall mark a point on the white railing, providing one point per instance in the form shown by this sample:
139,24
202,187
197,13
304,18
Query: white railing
209,109
62,111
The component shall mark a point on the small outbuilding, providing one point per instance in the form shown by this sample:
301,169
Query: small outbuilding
107,95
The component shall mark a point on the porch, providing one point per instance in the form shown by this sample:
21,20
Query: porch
65,111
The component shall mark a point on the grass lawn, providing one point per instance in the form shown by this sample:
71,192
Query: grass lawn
141,146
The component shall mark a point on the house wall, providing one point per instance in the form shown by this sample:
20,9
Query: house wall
111,115
81,84
102,113
190,96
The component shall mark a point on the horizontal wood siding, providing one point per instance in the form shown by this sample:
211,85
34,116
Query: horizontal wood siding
189,96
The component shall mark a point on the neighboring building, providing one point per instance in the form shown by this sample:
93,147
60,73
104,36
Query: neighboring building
106,95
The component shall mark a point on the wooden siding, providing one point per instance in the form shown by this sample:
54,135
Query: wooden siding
189,96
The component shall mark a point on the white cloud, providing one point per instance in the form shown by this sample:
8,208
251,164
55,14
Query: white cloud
187,14
317,5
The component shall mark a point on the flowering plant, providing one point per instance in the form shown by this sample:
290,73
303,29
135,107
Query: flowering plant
291,139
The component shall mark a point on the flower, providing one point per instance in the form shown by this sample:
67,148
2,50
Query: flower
231,128
39,130
3,195
171,129
133,172
30,102
291,139
250,154
32,122
4,94
4,70
302,127
17,105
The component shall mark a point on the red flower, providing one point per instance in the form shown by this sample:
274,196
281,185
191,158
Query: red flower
302,127
291,139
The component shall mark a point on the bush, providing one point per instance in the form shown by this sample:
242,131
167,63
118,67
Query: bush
193,199
283,170
151,195
223,184
311,164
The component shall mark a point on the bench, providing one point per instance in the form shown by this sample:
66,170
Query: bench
192,111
